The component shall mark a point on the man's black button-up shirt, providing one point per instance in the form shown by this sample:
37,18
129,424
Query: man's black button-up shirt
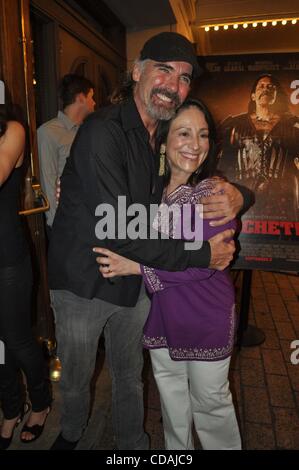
111,157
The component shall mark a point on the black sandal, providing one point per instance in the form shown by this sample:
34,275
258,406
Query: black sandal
6,441
36,430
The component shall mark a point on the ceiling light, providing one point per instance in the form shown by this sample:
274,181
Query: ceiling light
254,24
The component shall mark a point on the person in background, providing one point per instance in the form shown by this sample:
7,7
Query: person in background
191,325
21,350
55,137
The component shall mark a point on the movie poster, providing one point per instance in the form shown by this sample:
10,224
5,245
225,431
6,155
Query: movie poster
255,102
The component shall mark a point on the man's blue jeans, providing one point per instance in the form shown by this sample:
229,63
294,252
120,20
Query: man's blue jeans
79,324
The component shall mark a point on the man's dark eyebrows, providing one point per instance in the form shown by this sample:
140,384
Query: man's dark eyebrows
188,75
169,67
161,64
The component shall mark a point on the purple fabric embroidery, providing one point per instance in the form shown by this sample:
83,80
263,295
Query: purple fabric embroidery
192,311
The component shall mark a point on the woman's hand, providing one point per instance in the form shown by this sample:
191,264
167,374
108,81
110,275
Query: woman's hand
112,264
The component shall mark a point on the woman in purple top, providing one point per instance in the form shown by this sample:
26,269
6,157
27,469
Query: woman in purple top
203,330
191,325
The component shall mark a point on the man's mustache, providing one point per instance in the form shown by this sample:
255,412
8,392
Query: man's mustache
266,93
169,94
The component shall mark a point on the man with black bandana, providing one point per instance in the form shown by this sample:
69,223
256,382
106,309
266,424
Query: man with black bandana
118,144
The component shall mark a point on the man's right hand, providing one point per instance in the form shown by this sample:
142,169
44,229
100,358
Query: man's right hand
222,250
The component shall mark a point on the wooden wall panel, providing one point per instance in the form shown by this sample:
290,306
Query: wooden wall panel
78,27
11,57
102,73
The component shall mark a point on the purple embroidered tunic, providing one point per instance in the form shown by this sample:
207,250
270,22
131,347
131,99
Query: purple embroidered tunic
192,312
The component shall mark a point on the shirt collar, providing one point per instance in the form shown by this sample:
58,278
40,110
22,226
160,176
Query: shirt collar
130,116
69,125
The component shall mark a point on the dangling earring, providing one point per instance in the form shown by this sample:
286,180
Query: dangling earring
162,160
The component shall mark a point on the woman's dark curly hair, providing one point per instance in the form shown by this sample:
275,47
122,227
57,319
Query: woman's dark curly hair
208,168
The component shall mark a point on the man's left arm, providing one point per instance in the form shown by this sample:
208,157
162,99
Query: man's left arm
227,202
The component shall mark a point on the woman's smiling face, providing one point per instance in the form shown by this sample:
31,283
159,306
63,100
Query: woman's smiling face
187,144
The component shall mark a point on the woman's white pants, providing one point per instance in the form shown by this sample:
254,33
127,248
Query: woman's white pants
198,392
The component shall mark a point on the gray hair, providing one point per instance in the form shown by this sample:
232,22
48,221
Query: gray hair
125,88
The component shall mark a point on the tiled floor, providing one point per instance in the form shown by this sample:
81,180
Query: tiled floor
264,382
